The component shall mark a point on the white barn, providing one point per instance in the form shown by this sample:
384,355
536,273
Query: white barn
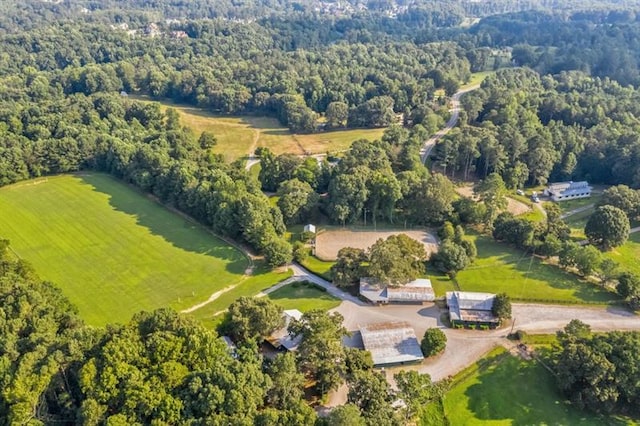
562,191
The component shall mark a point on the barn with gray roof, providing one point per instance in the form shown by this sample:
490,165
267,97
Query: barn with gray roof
469,308
391,343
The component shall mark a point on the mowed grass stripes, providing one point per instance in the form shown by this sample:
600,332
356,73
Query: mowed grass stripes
111,250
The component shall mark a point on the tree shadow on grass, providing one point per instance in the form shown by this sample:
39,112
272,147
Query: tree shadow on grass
525,393
533,268
161,222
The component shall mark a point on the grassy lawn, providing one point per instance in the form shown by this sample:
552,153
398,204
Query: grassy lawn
261,279
237,134
477,78
505,390
318,267
569,205
440,282
577,222
500,268
628,254
112,251
303,297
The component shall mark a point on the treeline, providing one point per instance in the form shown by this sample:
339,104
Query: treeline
222,66
160,367
163,368
379,180
598,372
146,147
531,129
603,43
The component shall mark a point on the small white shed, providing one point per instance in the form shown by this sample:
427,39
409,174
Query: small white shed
310,228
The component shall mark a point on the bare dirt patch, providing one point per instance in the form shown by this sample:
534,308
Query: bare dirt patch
514,207
329,242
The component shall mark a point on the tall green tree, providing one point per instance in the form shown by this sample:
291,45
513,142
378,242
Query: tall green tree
397,260
348,268
320,353
493,193
250,319
607,227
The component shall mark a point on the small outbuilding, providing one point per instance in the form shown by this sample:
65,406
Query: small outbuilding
310,228
562,191
469,308
391,343
417,291
281,339
231,347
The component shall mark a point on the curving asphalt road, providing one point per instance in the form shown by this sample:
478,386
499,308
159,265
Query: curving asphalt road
455,114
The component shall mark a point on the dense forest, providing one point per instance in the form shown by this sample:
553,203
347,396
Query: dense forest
562,105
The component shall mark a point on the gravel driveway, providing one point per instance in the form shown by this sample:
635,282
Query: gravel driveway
466,346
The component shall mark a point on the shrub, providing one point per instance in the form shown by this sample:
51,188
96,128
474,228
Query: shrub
433,342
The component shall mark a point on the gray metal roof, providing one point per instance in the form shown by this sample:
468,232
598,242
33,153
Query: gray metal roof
391,343
569,188
419,290
281,337
470,306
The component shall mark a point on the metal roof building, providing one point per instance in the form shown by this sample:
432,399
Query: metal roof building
281,338
561,191
470,307
391,343
417,291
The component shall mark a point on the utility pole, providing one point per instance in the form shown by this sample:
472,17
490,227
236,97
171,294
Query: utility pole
512,324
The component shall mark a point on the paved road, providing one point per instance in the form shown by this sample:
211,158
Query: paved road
302,274
455,113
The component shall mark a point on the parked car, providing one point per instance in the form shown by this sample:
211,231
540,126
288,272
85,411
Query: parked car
519,192
535,199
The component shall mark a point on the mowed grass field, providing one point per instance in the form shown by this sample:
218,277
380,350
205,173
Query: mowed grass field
112,251
238,136
500,268
505,390
304,297
628,254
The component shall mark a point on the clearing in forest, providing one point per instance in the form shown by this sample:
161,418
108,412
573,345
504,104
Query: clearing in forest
111,250
239,136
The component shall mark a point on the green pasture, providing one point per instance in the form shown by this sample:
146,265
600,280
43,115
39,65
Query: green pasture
628,254
111,250
476,78
505,390
238,136
303,297
261,279
501,268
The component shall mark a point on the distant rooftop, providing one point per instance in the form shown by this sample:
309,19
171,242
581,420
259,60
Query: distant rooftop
568,188
419,290
391,343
